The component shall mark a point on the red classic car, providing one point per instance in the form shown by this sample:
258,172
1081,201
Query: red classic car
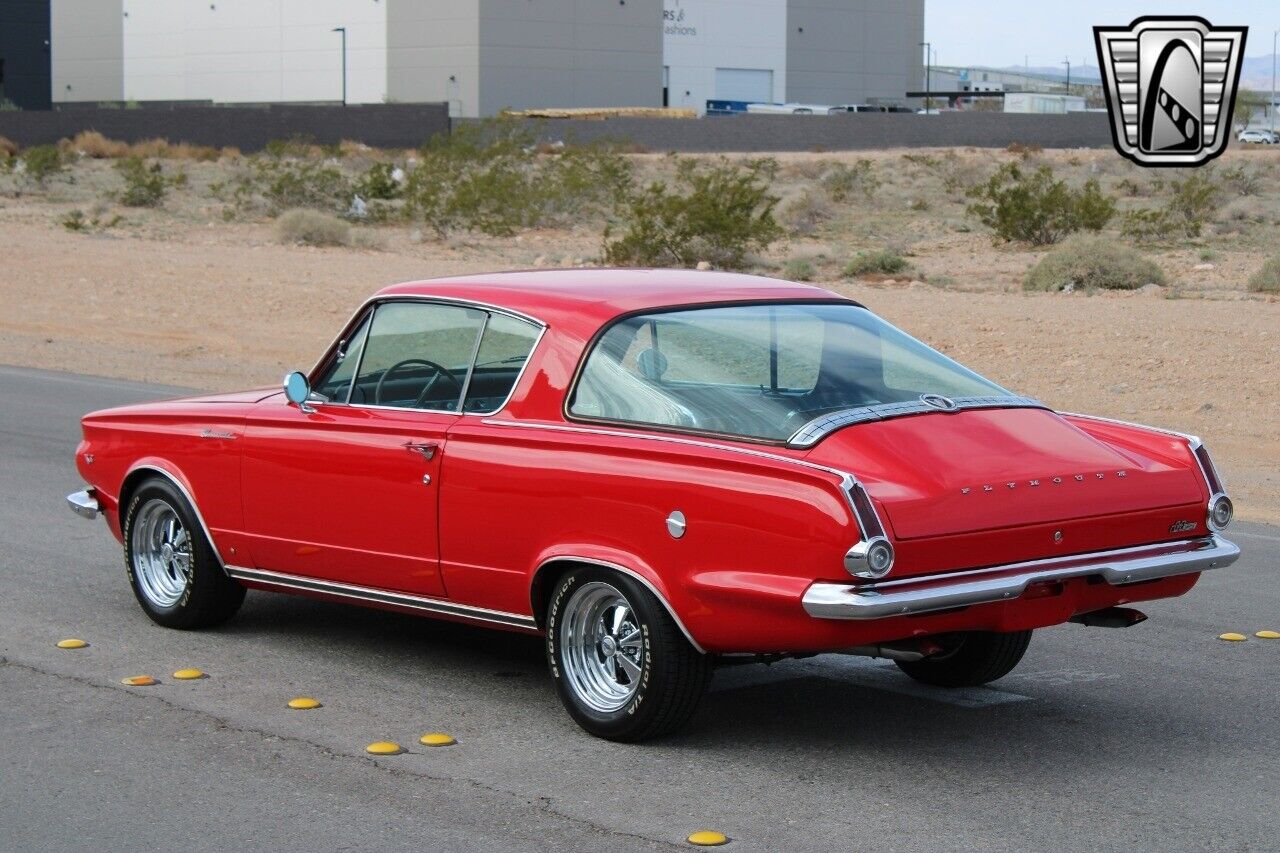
657,471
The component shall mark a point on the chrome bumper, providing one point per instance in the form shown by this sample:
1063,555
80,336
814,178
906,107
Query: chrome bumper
84,504
1003,583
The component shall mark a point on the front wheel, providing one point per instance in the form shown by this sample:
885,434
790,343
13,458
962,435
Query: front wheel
621,666
173,570
970,659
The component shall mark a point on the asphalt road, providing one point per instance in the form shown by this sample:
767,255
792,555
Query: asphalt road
1154,737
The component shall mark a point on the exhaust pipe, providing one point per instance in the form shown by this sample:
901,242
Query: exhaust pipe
907,652
1111,617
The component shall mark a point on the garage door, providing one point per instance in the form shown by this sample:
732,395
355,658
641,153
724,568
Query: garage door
754,85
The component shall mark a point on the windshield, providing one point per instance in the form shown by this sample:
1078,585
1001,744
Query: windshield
762,371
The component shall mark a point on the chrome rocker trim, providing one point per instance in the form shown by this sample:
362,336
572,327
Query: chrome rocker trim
911,596
84,504
369,595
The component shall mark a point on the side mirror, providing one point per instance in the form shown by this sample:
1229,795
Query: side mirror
297,390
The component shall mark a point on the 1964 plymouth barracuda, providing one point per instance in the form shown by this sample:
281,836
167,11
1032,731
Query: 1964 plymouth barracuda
658,472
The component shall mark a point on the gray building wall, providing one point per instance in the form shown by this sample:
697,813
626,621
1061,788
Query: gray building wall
849,51
86,47
569,53
433,53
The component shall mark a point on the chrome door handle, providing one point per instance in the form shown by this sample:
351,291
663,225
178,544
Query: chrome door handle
426,448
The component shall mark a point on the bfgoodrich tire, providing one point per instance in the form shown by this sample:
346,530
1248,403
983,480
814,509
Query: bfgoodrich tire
620,664
172,568
977,657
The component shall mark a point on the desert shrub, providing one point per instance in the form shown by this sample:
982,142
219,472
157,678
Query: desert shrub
378,182
286,184
144,185
1024,150
578,180
1089,262
1145,225
163,149
1242,180
1037,209
8,148
1267,279
96,220
90,143
8,106
312,228
299,146
43,161
805,214
714,212
481,178
882,261
1192,203
845,183
1130,187
798,269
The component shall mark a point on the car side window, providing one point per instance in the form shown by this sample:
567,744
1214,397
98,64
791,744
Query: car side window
417,356
504,349
335,385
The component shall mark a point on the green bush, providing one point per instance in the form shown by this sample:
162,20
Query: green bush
378,183
845,183
798,269
883,261
96,221
312,228
144,186
1087,262
286,184
43,161
716,213
1193,203
579,180
1267,279
1036,208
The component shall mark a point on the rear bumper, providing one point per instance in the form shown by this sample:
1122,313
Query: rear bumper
84,503
934,593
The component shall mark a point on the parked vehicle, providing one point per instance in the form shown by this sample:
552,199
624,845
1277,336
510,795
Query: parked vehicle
658,471
794,109
1258,137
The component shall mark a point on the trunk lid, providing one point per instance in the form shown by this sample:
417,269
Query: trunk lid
938,475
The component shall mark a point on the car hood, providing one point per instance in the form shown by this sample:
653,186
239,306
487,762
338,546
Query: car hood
219,405
988,469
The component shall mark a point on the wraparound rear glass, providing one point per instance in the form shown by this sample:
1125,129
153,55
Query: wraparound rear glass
760,371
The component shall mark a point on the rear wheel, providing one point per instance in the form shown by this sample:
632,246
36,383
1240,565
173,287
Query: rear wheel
970,659
174,573
621,665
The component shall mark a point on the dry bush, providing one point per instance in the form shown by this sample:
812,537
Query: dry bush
165,150
8,148
882,262
312,228
798,269
1089,262
809,170
805,214
91,143
1267,279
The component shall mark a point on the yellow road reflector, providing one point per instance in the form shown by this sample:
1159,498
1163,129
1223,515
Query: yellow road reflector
138,680
1268,635
1232,637
708,838
71,644
302,703
436,739
384,747
188,674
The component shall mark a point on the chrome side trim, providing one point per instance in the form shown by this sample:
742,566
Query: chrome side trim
84,504
370,595
910,596
820,427
190,500
632,574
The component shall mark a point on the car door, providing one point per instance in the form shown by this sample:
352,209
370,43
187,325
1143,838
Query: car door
344,488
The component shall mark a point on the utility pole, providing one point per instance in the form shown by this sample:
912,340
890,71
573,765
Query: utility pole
1067,62
1271,107
928,76
343,30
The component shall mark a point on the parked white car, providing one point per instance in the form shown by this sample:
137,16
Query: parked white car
1258,137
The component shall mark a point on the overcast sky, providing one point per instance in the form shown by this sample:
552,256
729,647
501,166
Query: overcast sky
1003,32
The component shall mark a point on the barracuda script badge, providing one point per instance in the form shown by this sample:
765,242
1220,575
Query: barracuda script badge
1171,88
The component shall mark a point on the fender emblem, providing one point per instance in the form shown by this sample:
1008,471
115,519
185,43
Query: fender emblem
1182,526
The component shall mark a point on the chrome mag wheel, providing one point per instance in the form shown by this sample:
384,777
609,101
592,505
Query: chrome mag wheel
602,647
160,548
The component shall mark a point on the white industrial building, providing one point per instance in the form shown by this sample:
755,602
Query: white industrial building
482,56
